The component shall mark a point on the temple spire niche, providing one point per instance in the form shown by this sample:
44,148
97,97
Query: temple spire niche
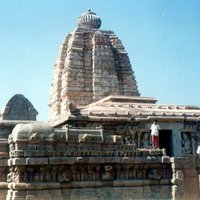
91,65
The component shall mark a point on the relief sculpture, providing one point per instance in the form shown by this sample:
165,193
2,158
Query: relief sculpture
145,142
186,143
129,133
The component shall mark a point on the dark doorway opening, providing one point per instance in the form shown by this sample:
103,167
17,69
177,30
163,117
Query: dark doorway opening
165,140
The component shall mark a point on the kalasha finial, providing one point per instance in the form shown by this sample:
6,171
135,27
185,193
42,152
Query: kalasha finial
89,19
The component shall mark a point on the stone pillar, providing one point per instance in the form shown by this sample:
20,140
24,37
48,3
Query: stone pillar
193,143
176,142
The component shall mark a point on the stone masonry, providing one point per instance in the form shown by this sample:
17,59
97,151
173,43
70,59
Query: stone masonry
97,144
91,65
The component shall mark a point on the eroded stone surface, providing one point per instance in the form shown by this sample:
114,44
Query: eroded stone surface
19,108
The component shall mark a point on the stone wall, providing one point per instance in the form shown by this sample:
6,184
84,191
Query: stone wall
185,178
96,161
43,159
104,193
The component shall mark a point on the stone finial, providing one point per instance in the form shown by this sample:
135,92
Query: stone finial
19,108
89,19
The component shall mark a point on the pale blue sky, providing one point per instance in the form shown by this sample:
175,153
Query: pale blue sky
162,38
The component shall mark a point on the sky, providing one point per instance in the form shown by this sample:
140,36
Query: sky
162,38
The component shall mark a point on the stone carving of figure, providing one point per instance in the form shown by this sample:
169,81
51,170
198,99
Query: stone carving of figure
127,140
133,133
16,177
36,177
107,174
129,132
186,144
121,129
9,177
48,177
153,174
145,141
62,177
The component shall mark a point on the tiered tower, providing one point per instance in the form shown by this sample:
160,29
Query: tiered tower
91,65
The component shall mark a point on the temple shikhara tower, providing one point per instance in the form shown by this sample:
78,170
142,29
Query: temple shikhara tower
91,65
97,143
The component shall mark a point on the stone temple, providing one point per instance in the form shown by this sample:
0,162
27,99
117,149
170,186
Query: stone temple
97,143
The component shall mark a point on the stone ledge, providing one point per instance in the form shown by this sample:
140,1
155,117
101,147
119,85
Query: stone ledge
73,160
12,123
115,183
33,186
135,183
3,185
179,159
83,184
28,161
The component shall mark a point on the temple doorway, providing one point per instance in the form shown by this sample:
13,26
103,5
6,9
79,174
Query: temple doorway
165,140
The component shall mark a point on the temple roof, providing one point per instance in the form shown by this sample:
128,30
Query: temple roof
140,108
121,108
